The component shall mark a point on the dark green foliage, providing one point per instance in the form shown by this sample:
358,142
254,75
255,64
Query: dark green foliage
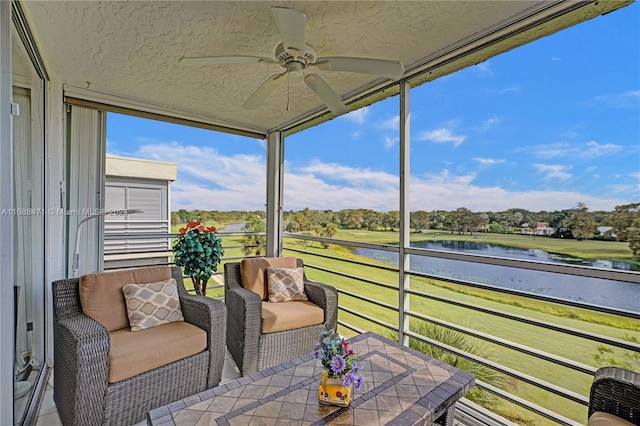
198,250
458,341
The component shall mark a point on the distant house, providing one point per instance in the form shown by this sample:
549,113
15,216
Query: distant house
606,231
541,228
134,183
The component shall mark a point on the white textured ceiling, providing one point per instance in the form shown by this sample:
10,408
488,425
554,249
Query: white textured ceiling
131,49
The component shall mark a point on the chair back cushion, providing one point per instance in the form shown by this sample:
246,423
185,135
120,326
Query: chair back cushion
134,352
101,294
254,272
290,315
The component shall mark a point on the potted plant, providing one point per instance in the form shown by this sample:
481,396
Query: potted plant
198,251
341,369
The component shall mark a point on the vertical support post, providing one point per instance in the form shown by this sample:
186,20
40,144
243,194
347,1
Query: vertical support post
7,341
403,257
275,181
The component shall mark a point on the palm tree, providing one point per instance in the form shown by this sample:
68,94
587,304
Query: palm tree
254,245
458,341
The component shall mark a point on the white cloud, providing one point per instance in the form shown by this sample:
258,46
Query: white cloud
353,175
208,180
392,123
445,191
446,178
595,150
553,171
511,89
358,116
619,100
488,124
390,141
486,162
484,68
586,151
555,59
441,135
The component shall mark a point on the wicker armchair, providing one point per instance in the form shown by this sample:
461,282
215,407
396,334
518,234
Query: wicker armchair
251,349
81,389
614,392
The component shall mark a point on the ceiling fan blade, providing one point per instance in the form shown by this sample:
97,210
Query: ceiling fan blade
263,92
326,93
292,27
382,67
223,60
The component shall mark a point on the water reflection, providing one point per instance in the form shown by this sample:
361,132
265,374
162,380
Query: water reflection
615,294
523,253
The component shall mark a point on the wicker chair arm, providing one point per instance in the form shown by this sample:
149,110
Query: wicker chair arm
81,357
326,297
211,316
616,391
244,326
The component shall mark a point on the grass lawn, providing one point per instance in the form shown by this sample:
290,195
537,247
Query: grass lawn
575,348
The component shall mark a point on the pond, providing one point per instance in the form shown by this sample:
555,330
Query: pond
595,291
233,227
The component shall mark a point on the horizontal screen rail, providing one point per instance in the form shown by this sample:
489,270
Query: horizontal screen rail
542,384
555,417
540,323
574,365
369,318
529,295
351,327
324,256
582,271
375,246
342,274
369,300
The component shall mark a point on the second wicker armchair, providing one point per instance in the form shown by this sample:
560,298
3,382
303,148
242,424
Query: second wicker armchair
614,398
260,333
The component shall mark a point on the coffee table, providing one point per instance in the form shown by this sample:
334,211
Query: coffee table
402,387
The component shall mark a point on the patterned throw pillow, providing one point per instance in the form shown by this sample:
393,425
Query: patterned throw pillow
285,285
152,304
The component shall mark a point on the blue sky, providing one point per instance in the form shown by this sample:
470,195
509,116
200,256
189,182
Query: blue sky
542,127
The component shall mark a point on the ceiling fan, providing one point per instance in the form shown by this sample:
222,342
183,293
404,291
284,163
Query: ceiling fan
296,56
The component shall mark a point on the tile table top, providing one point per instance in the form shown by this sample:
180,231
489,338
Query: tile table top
402,387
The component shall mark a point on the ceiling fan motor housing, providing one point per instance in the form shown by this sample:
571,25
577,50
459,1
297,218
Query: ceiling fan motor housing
305,58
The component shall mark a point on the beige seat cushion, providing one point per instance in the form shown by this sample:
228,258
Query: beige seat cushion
101,295
605,419
290,315
254,272
134,352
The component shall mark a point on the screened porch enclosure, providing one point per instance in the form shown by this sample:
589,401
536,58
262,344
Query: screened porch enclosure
85,67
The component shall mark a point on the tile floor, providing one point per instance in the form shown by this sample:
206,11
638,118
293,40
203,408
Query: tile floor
48,415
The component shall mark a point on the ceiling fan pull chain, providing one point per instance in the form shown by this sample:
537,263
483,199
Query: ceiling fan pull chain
288,91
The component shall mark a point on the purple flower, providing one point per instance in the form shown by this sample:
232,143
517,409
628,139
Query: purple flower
337,364
359,382
348,379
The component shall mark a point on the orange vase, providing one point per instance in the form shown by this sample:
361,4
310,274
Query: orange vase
333,392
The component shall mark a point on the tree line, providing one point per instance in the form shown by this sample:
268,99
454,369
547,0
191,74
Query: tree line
576,223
